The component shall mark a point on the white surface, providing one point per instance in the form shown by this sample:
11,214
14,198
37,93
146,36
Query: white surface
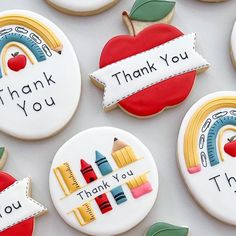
213,24
84,146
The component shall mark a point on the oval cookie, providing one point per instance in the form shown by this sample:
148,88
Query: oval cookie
99,176
34,81
206,154
82,7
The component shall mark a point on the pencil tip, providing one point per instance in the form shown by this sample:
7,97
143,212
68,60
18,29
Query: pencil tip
115,139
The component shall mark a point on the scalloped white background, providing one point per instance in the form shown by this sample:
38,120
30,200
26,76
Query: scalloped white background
213,24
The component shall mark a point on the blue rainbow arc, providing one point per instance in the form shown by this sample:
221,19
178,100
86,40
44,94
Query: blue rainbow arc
26,41
212,136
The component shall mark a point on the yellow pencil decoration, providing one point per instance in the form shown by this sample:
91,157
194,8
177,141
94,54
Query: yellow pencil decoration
124,155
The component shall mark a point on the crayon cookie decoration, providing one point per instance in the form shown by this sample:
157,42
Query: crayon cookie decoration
99,176
207,151
18,210
82,7
153,68
35,78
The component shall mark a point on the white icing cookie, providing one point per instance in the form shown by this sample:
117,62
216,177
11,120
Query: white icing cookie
207,151
99,177
34,81
82,7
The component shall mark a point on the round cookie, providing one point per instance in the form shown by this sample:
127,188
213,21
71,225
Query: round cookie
18,210
99,176
151,69
82,7
165,229
34,81
206,151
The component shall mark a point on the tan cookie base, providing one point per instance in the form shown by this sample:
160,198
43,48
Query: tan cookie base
88,13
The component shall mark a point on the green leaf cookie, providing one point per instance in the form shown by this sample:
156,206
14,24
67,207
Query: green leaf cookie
3,157
151,10
164,229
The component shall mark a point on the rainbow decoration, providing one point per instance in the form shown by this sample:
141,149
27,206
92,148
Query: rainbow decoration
212,136
30,43
203,129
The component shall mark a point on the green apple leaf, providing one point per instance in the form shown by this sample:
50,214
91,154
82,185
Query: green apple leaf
151,10
164,229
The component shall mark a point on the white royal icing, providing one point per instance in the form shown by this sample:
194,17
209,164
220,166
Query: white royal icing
133,74
34,101
214,184
84,145
82,5
17,206
233,42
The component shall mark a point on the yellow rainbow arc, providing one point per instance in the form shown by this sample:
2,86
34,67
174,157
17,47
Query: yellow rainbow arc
4,52
191,135
37,26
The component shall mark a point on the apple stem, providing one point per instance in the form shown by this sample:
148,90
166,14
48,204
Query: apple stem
15,54
128,23
232,138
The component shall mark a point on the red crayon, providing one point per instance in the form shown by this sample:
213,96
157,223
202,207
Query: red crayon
90,176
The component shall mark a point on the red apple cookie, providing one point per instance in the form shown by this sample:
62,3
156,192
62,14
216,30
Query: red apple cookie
148,72
18,210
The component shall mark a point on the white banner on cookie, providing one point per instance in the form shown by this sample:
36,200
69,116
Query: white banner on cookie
133,74
105,184
16,205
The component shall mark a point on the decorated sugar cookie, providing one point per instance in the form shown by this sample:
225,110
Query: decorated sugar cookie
165,229
148,72
82,7
18,210
3,157
34,81
95,182
206,153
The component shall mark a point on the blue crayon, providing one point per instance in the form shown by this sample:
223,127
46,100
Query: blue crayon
105,169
